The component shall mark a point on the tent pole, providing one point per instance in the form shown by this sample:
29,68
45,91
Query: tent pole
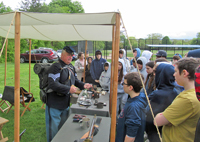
29,65
17,78
5,62
112,70
85,61
115,79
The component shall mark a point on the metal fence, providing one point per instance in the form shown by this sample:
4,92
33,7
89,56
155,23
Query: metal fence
142,44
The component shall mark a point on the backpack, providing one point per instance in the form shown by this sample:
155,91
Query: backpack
42,70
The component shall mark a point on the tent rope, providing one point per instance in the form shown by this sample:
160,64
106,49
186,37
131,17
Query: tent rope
141,79
8,33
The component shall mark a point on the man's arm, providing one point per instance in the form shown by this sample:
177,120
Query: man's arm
160,120
129,139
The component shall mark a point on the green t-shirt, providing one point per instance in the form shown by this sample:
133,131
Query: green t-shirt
183,114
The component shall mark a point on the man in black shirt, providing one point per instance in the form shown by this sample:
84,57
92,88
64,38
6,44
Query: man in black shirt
61,80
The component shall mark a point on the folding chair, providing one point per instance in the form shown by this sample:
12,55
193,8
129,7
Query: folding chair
1,104
25,97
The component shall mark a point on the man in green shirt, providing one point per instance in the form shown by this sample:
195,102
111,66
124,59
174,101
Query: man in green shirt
179,120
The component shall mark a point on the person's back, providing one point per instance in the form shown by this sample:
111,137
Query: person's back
161,98
131,122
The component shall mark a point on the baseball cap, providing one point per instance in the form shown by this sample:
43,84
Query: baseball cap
69,49
161,53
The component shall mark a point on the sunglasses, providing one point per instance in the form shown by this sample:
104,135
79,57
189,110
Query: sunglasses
125,84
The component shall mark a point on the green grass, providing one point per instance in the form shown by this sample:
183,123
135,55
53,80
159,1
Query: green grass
33,121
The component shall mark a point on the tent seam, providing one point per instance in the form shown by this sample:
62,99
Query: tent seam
41,33
78,32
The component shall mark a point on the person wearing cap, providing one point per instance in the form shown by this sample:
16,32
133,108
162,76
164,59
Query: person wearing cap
97,67
61,80
161,54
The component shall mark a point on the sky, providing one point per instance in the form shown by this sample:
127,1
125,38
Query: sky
177,19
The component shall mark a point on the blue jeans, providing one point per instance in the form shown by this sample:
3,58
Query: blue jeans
55,118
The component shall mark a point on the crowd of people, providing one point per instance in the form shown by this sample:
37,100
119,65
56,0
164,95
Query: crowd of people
170,87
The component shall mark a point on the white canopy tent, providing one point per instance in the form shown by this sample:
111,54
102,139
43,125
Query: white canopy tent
62,27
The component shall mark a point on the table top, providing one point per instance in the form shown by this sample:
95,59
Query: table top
72,131
3,120
91,110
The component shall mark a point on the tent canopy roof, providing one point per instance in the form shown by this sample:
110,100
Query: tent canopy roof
60,26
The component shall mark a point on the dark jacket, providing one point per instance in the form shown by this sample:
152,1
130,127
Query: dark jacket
131,121
60,82
96,67
88,78
161,98
194,53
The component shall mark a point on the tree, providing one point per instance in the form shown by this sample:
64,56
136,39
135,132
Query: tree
198,35
166,40
33,6
3,8
196,41
65,6
154,38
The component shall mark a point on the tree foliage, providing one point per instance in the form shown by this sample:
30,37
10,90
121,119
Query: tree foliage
166,40
3,8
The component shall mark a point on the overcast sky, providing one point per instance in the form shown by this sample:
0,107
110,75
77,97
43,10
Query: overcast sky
177,19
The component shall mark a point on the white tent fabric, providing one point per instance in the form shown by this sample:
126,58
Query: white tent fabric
61,26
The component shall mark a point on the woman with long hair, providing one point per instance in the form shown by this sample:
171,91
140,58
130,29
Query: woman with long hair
121,95
88,78
150,80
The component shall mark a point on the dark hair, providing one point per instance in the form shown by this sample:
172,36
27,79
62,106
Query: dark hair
135,59
97,52
150,76
134,50
134,80
188,64
88,62
121,52
160,60
106,65
79,54
150,64
120,77
176,57
139,62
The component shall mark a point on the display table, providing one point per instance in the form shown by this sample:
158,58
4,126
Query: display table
72,131
2,122
91,110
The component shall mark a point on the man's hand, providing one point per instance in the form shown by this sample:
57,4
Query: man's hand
72,89
97,81
87,85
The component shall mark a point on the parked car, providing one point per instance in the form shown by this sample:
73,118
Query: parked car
59,52
75,56
40,55
49,49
